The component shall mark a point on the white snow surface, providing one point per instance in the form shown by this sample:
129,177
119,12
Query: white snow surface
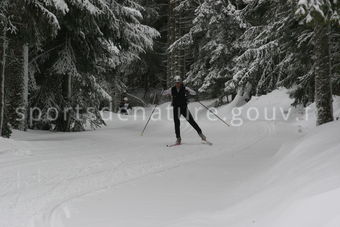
264,173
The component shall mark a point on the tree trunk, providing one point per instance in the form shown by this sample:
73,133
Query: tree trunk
24,83
64,120
2,81
116,96
170,39
323,88
67,89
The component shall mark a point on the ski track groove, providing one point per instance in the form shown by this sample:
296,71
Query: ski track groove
83,179
268,130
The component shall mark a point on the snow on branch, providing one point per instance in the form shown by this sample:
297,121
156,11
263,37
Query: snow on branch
61,5
261,52
65,64
181,43
52,19
316,10
132,13
140,36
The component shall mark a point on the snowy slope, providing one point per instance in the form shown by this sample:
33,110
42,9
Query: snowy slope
264,173
300,188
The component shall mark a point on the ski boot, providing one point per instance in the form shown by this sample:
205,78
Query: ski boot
203,137
178,141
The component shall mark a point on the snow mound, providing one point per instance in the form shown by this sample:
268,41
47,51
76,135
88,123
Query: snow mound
301,188
309,176
276,106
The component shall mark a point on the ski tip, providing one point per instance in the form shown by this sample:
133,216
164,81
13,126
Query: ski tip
207,142
173,145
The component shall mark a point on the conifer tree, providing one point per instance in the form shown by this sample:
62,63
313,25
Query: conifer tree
106,37
3,26
180,18
320,14
32,22
216,27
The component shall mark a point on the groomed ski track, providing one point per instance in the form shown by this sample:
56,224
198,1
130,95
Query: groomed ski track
49,171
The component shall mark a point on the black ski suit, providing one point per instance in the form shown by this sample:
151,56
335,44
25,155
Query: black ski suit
180,107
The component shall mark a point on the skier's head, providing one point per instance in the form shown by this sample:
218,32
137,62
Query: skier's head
178,81
126,99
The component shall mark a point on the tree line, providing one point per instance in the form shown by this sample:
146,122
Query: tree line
59,54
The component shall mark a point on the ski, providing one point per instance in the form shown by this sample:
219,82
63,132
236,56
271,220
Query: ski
203,142
173,145
207,142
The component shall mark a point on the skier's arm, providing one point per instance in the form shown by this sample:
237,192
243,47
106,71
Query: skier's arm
167,92
191,92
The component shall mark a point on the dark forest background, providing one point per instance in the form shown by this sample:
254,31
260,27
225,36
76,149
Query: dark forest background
91,53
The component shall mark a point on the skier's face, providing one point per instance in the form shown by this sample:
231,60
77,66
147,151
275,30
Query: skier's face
178,84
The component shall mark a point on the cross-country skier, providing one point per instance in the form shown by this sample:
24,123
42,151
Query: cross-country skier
179,94
125,106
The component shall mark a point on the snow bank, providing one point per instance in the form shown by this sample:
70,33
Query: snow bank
276,106
277,98
310,176
300,189
273,107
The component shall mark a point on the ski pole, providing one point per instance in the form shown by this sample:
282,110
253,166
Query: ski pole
154,109
214,114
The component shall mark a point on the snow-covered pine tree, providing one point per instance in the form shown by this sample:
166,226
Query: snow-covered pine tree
3,38
180,16
76,50
137,39
216,26
320,14
274,49
149,71
103,39
267,47
34,22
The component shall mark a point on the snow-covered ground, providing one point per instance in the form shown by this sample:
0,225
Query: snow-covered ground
264,173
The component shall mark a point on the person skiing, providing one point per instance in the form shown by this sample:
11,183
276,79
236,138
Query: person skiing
179,94
125,106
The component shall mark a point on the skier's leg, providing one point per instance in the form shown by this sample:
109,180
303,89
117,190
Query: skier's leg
186,113
177,114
